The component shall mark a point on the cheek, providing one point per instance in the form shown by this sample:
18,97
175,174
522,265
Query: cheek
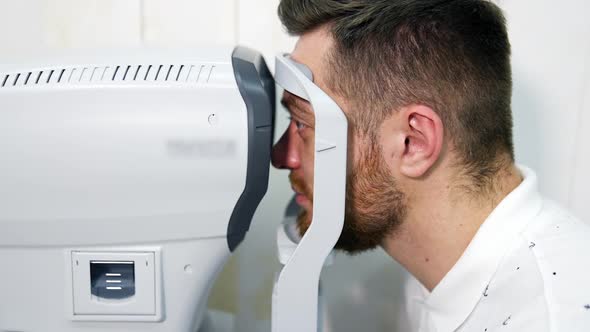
307,160
359,150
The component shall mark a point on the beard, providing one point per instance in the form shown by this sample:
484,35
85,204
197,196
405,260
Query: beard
374,205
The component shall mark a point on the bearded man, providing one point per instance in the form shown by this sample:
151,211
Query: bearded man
426,88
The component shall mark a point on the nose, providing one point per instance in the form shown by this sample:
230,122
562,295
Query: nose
285,154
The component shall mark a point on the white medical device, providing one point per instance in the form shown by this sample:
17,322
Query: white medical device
296,292
125,183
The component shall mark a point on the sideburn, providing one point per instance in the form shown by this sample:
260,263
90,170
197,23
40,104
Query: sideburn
375,207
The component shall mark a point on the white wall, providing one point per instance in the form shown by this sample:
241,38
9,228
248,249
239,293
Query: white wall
551,60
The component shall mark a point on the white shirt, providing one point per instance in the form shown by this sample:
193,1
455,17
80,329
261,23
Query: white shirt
526,269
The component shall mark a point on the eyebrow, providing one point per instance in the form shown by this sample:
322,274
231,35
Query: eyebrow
291,102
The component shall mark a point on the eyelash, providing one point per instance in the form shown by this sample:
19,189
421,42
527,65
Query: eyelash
300,125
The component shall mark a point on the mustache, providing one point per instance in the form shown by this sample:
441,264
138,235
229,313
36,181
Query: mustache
300,186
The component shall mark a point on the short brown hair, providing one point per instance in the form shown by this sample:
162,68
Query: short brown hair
451,55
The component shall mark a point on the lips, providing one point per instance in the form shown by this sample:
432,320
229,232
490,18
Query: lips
300,198
298,185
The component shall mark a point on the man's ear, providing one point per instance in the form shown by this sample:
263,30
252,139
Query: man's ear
414,138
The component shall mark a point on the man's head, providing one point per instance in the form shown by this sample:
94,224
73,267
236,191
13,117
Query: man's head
426,88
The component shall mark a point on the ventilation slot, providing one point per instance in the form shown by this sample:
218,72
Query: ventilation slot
16,79
126,72
71,74
93,74
28,77
190,70
104,72
200,72
61,75
115,73
210,72
83,74
158,73
136,73
49,77
168,73
147,73
179,73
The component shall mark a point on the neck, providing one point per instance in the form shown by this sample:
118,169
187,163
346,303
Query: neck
440,224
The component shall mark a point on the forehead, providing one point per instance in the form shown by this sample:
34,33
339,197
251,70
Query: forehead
311,50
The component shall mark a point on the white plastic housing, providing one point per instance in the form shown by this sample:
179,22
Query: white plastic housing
118,153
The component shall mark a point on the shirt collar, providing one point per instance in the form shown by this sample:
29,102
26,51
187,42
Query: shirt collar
455,297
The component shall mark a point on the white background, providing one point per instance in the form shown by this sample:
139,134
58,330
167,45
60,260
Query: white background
551,64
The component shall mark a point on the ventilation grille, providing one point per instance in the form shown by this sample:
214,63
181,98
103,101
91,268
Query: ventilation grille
105,74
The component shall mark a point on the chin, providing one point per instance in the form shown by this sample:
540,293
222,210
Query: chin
303,221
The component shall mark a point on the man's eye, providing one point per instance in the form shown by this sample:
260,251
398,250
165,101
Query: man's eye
300,125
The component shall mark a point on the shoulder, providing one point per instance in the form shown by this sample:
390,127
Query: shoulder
542,282
556,234
560,246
